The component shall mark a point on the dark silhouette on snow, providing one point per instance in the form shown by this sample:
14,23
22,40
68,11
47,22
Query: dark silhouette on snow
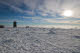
1,26
27,26
14,24
78,37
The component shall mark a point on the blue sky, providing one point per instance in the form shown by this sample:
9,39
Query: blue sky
39,12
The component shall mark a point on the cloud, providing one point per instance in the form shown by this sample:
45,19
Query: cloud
56,26
16,4
33,4
56,7
63,21
11,6
12,20
30,12
52,8
35,17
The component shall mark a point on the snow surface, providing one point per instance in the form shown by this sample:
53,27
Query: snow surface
39,40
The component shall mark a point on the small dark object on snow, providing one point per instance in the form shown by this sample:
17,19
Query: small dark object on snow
27,26
1,26
78,37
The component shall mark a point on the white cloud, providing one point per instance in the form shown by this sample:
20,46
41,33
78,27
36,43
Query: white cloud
30,12
35,17
16,4
31,3
56,26
51,7
12,7
58,6
63,21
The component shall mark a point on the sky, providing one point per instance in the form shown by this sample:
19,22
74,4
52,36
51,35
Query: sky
48,13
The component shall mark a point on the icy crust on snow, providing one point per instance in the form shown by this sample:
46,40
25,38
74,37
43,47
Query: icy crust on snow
39,40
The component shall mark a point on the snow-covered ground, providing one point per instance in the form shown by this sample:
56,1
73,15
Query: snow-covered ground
39,40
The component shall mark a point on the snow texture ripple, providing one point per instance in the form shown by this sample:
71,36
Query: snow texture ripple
39,40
